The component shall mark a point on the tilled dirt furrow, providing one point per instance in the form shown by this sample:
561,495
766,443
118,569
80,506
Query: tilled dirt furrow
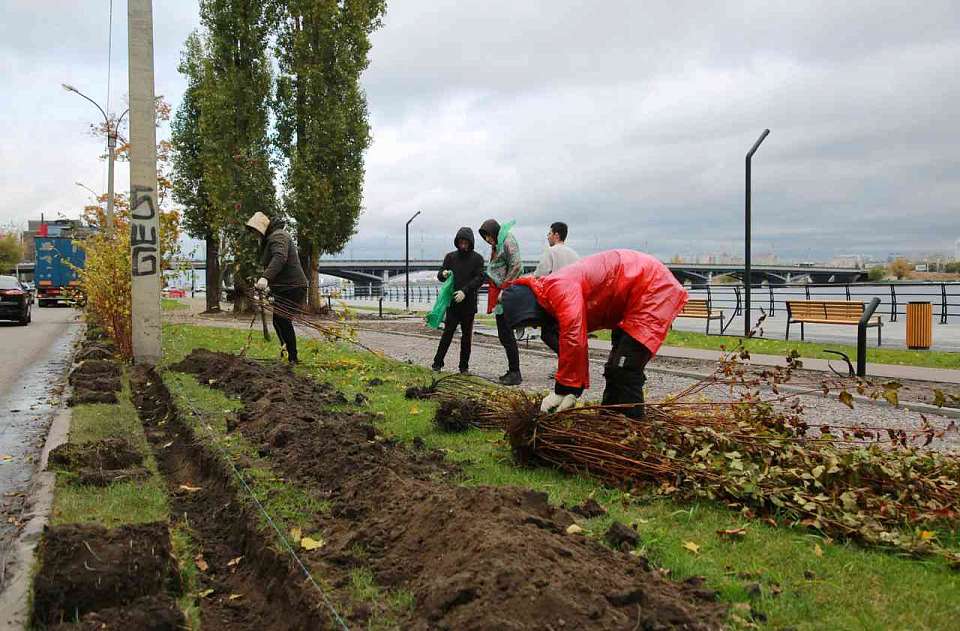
471,557
245,582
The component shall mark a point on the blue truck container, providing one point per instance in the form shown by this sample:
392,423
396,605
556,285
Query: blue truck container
55,274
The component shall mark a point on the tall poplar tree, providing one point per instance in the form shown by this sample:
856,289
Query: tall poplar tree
322,47
234,119
201,218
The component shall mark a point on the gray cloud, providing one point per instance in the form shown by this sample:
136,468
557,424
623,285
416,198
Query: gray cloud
628,120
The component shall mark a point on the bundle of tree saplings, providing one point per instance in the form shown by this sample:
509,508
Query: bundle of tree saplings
756,452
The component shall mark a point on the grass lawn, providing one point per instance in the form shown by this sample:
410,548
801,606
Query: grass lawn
172,304
794,577
904,357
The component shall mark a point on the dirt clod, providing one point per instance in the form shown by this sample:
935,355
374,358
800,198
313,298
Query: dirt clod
86,567
99,351
589,509
621,537
457,415
82,395
91,367
110,453
419,392
150,613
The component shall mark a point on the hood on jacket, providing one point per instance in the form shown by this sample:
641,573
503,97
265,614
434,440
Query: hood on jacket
259,223
520,307
490,227
465,234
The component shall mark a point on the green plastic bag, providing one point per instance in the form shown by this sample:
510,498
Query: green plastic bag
439,311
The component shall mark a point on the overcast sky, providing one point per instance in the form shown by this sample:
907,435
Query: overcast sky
628,120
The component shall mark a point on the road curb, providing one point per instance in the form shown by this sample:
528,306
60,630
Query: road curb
15,596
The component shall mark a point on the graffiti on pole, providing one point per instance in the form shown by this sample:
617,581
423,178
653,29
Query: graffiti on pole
143,232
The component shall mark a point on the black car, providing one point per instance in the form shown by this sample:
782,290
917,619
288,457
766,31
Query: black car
15,300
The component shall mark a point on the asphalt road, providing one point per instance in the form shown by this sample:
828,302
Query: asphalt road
33,360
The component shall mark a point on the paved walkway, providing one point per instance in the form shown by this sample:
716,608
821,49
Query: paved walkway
885,371
946,337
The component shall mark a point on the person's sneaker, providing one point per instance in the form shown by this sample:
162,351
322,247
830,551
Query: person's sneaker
436,368
465,372
511,378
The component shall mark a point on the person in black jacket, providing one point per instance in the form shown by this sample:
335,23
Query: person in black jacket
282,275
467,269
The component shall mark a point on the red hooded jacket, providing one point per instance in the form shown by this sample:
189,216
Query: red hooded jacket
617,288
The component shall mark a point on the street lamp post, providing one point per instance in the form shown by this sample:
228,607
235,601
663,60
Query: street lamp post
746,257
406,265
111,150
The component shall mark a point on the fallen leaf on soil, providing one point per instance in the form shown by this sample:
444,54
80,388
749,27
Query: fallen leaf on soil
771,522
296,534
166,445
233,562
311,544
574,529
205,593
692,547
817,550
201,564
733,533
234,596
927,534
846,398
190,489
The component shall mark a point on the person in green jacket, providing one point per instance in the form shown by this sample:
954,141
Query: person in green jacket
504,267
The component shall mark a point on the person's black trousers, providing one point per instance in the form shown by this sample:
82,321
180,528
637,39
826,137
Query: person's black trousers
453,319
624,372
509,343
289,300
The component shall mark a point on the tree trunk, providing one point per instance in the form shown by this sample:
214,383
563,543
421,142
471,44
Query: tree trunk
242,304
213,274
314,279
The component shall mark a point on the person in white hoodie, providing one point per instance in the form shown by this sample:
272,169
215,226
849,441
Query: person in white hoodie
555,257
559,254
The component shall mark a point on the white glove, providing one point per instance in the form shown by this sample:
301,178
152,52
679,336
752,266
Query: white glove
262,284
459,296
558,402
446,274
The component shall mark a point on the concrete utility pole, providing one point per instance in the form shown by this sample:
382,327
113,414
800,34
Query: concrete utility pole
144,210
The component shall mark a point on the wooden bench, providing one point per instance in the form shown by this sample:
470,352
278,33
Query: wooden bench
701,309
828,312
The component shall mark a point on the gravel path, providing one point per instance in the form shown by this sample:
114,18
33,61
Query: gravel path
408,340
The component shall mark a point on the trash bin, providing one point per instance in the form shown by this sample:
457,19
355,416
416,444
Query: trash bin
919,325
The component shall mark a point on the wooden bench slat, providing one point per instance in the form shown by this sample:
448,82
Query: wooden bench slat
846,312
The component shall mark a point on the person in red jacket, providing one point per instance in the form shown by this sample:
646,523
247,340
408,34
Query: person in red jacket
630,292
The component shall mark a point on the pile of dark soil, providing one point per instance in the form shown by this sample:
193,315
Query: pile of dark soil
150,613
100,463
458,415
247,585
110,453
86,568
95,380
474,557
